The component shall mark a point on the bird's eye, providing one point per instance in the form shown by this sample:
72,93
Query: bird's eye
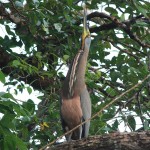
88,35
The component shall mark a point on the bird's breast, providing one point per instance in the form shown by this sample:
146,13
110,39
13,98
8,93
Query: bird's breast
71,111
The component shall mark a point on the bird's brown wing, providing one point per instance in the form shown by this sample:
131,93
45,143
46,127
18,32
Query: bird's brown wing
71,115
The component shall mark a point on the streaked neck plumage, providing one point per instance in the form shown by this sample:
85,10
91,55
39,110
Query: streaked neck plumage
75,80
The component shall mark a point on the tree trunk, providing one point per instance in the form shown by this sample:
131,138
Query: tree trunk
112,141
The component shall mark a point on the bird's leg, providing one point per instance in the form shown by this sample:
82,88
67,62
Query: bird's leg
80,131
69,137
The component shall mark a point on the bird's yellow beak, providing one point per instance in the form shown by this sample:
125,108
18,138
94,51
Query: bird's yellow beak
86,31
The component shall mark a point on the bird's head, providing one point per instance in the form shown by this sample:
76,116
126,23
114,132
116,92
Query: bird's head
86,37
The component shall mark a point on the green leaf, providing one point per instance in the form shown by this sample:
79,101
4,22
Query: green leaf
38,55
20,111
65,57
9,31
5,108
107,45
115,125
2,77
111,91
122,17
20,144
140,8
7,96
131,122
16,63
7,119
111,10
69,2
50,12
115,75
146,124
29,89
93,63
29,106
142,24
98,74
11,141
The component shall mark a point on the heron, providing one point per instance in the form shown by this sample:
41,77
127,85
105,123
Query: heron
75,101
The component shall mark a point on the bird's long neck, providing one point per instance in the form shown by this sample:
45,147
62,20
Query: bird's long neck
81,68
75,80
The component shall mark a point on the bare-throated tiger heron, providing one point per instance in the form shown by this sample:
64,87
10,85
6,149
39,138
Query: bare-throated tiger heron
75,102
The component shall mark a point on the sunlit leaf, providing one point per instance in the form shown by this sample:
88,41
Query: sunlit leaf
18,4
2,77
16,63
29,89
58,26
66,57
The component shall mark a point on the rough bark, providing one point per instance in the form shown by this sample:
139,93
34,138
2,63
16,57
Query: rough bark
112,141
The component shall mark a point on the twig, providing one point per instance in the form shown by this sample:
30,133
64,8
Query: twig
129,100
95,115
124,105
13,5
127,52
105,93
139,105
137,50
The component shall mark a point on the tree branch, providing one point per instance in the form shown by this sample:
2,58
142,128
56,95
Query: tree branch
115,23
118,141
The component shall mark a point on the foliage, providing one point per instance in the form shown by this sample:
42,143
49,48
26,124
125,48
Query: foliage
43,37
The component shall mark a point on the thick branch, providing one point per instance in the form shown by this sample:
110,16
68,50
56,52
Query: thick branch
118,141
98,14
